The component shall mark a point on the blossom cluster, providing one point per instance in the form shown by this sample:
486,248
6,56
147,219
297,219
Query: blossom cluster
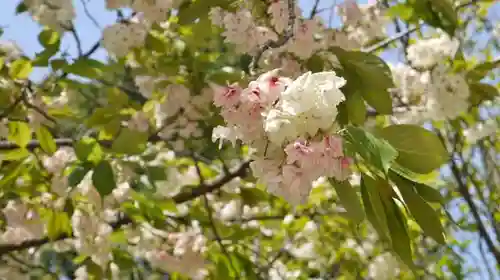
428,88
363,23
291,124
56,14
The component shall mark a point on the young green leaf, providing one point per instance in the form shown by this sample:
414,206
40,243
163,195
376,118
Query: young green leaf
350,200
77,175
373,201
20,69
420,150
49,38
398,229
19,133
356,108
88,150
370,75
423,213
480,92
375,151
130,142
59,223
103,178
86,67
481,70
46,140
16,154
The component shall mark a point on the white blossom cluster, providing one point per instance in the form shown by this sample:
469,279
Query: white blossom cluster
241,30
437,94
119,38
364,23
56,14
481,130
427,53
384,267
23,223
291,125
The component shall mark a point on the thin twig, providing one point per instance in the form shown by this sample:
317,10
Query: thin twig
314,10
77,40
390,40
89,15
463,189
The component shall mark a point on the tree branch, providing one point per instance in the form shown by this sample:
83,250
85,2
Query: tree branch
462,188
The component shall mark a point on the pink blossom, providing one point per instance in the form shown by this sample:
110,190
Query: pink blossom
298,151
296,185
267,88
333,146
226,96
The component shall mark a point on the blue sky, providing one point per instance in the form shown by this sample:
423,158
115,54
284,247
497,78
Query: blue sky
24,32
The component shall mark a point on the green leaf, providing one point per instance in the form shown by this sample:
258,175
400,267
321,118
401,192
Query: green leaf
402,10
189,11
123,259
19,133
156,173
223,270
11,172
103,178
350,200
49,38
368,74
375,151
46,140
400,239
437,13
130,142
423,213
20,69
374,205
77,175
480,71
16,154
356,108
101,116
428,193
315,63
21,8
94,271
57,64
252,196
59,223
42,58
86,67
420,150
88,150
480,92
